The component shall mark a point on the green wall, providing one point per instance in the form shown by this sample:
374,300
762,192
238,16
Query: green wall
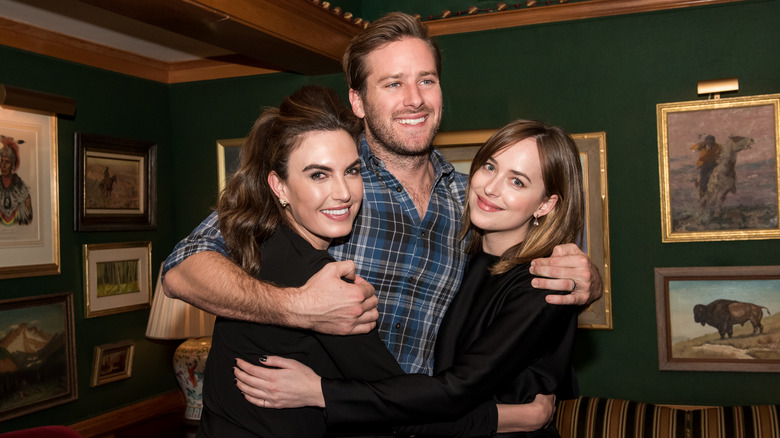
119,106
591,75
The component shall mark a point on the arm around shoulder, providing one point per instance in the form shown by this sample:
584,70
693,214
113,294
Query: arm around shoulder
326,303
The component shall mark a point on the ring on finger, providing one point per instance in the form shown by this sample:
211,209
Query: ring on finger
574,285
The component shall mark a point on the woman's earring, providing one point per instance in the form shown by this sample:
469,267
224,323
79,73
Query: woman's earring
536,221
283,202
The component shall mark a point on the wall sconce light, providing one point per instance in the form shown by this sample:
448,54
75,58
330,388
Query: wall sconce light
36,100
717,86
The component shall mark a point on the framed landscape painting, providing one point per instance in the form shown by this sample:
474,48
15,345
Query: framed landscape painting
720,318
718,169
29,194
37,354
117,278
459,148
112,362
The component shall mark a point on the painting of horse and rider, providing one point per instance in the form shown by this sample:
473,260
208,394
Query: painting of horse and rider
718,165
116,183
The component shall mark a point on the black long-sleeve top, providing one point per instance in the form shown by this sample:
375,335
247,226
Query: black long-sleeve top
499,341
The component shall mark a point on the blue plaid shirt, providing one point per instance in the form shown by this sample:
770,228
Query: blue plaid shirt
415,264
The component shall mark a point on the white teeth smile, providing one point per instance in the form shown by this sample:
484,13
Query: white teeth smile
336,212
411,121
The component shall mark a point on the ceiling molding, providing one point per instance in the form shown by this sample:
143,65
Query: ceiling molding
557,13
289,35
44,42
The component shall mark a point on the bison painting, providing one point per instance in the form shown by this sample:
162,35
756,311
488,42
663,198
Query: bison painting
723,314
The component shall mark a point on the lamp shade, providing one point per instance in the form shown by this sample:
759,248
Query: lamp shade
172,318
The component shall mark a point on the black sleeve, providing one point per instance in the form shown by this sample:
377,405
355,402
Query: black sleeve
361,357
524,329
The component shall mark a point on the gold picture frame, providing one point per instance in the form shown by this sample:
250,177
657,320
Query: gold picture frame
30,246
117,278
719,169
112,362
459,148
695,332
228,152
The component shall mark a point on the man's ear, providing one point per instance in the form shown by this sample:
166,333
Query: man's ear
277,185
357,103
546,206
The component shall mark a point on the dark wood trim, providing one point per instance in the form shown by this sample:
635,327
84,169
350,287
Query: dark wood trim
106,424
557,13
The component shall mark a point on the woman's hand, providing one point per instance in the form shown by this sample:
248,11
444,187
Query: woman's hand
279,383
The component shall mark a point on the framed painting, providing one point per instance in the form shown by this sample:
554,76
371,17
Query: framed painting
29,197
228,159
718,167
459,148
37,354
115,184
722,318
112,362
117,278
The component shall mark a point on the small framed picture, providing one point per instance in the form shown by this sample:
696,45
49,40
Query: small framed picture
115,184
38,357
117,278
112,362
718,318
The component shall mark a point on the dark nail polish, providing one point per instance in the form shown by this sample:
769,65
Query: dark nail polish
263,358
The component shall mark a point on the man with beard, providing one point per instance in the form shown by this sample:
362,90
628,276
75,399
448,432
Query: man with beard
405,240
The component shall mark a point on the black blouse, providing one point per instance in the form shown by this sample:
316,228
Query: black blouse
499,341
287,260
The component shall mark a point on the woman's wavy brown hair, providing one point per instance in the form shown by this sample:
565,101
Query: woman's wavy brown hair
248,209
562,176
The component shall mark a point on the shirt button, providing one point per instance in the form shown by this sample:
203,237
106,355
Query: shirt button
411,280
398,325
399,189
422,234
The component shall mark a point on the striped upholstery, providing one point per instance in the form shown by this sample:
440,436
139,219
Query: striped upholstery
591,417
736,422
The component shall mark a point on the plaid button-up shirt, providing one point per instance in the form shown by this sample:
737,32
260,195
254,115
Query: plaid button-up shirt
414,264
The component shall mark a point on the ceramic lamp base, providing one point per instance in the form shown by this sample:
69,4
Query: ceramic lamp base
189,364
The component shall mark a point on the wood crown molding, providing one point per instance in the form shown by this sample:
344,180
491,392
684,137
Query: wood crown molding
557,13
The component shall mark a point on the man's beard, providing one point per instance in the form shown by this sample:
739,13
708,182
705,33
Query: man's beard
391,141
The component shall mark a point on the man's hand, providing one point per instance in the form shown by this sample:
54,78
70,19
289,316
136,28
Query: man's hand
328,304
568,269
